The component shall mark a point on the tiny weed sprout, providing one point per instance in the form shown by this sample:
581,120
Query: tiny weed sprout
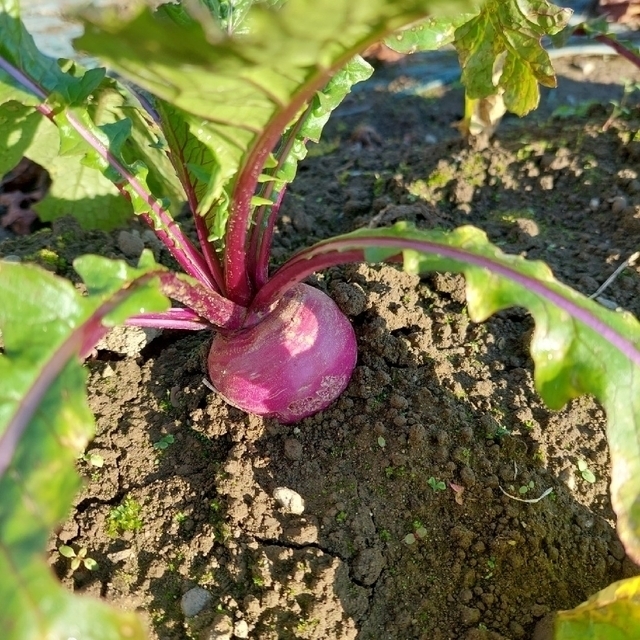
93,459
525,488
585,472
164,442
419,530
491,565
180,517
125,517
212,104
79,558
436,485
385,535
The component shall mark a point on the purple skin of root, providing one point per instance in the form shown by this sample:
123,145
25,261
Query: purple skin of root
294,362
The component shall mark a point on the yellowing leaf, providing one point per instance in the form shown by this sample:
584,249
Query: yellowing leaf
611,614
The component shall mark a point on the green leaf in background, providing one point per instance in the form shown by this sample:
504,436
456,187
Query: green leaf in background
429,35
20,125
500,51
18,48
610,614
45,423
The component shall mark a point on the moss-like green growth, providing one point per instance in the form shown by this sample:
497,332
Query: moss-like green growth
125,517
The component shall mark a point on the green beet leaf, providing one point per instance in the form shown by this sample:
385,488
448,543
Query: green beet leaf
45,423
610,614
234,94
70,121
578,346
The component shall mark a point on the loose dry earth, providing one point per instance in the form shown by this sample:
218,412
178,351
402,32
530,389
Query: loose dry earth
406,531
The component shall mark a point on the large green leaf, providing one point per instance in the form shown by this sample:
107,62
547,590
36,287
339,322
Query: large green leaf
45,423
610,614
578,346
242,92
37,92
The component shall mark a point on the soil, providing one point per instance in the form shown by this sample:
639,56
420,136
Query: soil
407,530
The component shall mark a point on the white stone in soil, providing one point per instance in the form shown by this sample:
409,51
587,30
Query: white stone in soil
289,500
194,601
241,629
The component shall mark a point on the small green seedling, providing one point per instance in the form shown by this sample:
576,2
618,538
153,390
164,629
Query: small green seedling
164,442
78,558
94,459
385,535
419,533
436,485
491,565
341,518
525,488
501,432
125,517
585,472
382,442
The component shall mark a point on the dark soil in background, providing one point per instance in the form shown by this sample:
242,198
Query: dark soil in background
406,531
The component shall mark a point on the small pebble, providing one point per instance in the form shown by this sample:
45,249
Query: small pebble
221,629
546,183
618,204
241,629
568,477
293,449
118,556
194,601
289,500
131,244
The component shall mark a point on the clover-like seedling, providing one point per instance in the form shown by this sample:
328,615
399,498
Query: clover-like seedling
79,558
585,472
93,459
419,533
164,442
525,488
436,485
